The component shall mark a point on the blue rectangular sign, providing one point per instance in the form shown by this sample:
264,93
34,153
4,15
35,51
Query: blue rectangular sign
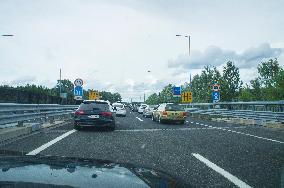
176,90
78,91
215,96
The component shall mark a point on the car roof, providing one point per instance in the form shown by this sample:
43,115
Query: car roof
117,103
95,101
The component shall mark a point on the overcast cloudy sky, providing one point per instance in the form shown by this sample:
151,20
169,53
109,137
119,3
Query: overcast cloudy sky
112,44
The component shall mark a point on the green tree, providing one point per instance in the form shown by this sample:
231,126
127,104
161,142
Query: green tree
245,94
201,84
153,99
279,85
268,71
111,97
230,83
256,91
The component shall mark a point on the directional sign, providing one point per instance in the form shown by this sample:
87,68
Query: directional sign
216,87
78,92
94,95
176,91
186,97
215,96
78,82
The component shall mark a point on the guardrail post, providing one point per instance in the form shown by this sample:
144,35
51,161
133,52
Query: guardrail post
20,124
51,120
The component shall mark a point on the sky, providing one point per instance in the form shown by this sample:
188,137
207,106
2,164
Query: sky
130,46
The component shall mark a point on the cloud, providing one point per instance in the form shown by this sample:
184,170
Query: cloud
215,56
24,80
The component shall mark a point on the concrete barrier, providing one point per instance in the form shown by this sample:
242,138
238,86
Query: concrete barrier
14,132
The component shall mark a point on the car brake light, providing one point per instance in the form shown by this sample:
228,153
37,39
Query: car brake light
165,113
106,114
79,112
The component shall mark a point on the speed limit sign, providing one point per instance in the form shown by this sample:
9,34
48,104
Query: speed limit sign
78,82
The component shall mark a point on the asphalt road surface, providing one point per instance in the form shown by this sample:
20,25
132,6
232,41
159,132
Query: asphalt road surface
201,153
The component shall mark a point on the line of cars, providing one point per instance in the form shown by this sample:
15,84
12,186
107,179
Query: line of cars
162,113
98,113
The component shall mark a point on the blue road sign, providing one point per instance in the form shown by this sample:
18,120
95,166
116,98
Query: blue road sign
177,91
215,96
78,91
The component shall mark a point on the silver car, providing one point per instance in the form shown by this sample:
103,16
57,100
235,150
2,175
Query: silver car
147,112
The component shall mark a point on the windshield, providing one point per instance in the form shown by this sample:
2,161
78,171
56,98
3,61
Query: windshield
118,105
94,106
173,107
192,88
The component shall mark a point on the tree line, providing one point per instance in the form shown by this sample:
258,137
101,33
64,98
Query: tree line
269,85
33,94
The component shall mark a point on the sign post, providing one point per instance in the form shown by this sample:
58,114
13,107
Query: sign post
186,97
215,93
78,89
176,91
94,95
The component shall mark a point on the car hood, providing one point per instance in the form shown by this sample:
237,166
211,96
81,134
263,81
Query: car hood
39,171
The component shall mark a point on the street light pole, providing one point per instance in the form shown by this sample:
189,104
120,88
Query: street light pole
187,36
188,44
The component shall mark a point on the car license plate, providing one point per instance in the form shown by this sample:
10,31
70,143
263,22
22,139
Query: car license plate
94,116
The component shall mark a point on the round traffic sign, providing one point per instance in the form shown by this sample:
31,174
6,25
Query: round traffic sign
78,82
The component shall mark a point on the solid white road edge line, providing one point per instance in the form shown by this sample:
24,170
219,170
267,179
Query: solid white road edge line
44,146
246,134
152,130
221,171
139,119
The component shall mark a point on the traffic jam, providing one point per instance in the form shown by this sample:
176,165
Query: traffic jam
101,114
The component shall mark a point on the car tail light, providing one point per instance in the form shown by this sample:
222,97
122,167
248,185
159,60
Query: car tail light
165,113
184,113
79,112
107,114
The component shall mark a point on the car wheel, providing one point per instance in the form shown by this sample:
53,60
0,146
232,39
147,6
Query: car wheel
76,127
153,119
112,128
160,120
182,122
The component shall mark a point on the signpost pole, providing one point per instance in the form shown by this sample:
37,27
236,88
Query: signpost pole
60,86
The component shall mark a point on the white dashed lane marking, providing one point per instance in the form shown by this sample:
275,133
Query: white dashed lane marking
44,146
221,171
139,119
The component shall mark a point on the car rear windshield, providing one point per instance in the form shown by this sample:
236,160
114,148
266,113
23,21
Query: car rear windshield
118,105
94,106
173,107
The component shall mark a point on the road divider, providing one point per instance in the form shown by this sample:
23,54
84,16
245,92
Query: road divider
43,147
221,171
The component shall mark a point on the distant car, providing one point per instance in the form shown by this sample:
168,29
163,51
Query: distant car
135,108
141,108
147,112
169,112
94,113
119,109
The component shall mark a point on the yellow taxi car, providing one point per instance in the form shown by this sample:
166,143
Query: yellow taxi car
169,112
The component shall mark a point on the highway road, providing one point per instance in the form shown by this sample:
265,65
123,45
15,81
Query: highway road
201,153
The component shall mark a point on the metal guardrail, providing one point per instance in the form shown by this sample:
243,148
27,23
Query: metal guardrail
19,113
274,106
259,111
